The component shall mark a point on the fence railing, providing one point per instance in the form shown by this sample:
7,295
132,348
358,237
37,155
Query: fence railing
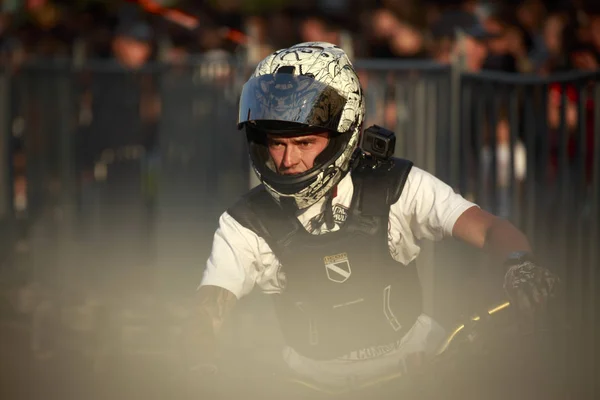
128,171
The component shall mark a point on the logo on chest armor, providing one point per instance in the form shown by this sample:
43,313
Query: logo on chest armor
337,267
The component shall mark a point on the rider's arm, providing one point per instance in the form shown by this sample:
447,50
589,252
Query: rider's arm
489,232
435,211
213,305
231,272
430,209
427,209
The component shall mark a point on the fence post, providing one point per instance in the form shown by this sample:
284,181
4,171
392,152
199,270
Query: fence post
426,262
594,254
252,58
5,153
68,250
434,279
6,187
458,66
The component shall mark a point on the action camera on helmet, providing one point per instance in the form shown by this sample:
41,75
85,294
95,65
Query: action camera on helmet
379,142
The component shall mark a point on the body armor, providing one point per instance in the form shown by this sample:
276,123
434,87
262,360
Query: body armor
343,290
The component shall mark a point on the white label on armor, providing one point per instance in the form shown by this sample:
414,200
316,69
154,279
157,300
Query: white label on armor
387,310
349,303
337,267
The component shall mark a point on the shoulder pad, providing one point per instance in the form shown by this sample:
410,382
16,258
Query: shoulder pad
397,175
381,182
244,211
260,213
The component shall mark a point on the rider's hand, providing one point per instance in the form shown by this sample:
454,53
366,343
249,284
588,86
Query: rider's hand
529,286
195,377
199,368
197,361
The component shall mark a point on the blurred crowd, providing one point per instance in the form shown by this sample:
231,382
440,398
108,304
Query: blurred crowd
526,36
529,36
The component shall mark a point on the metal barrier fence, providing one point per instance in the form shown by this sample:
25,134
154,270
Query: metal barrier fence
129,172
203,162
530,150
410,98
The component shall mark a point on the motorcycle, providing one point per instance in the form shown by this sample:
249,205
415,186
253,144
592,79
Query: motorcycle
486,356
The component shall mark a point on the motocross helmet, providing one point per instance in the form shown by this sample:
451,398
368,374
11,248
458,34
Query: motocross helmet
305,89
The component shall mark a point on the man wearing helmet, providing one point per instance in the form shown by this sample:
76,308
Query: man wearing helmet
333,234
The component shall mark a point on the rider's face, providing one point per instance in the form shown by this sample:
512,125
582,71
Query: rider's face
297,154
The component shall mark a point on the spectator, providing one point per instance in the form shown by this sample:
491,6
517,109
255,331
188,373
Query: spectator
408,42
258,46
582,57
395,38
95,25
507,51
594,31
499,57
550,56
179,51
530,16
282,22
132,45
121,95
411,12
475,43
384,26
315,28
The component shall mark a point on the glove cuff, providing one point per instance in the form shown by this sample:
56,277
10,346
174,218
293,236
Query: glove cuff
518,258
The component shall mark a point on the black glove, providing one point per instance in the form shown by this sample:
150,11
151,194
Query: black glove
529,287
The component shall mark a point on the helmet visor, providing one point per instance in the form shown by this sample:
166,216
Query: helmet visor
285,97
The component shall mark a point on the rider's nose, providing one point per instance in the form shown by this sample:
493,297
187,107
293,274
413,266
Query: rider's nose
291,157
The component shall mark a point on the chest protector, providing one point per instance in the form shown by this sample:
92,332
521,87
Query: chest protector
343,290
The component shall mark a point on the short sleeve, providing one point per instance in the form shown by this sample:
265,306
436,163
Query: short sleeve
428,206
233,263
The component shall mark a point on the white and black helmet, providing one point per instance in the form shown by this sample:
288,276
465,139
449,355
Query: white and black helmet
309,87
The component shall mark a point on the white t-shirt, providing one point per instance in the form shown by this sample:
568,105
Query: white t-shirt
426,209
